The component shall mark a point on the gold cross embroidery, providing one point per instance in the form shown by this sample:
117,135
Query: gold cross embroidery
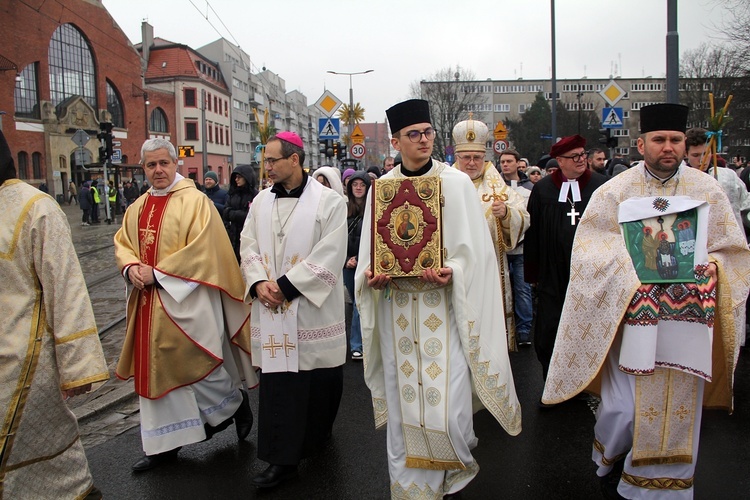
641,184
620,266
572,360
681,412
576,273
271,346
727,222
650,414
578,299
288,346
601,300
592,359
599,270
147,235
585,332
740,276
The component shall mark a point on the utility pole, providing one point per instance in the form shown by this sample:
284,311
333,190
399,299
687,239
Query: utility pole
673,54
554,75
204,131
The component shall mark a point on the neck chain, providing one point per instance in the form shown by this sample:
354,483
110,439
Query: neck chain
281,231
573,212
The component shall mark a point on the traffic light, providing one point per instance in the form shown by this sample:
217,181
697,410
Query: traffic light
336,150
329,148
341,153
105,141
322,146
607,138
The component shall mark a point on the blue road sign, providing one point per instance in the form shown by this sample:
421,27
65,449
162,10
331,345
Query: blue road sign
328,128
612,117
545,136
449,159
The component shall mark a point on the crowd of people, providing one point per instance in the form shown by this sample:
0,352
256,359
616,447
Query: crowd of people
229,290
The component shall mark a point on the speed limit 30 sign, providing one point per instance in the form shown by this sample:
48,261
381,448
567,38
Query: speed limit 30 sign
358,151
500,146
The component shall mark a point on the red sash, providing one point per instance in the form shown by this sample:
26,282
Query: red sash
149,224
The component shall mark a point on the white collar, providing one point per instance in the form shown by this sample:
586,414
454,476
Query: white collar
569,185
165,191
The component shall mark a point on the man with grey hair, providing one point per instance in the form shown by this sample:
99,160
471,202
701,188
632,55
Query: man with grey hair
188,337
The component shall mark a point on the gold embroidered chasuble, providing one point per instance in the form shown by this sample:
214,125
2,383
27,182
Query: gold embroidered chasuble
49,343
181,235
601,288
603,282
421,320
506,233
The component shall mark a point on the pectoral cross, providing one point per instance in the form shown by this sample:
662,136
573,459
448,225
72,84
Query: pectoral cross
573,214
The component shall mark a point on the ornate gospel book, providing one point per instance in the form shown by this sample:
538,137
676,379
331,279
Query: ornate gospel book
407,226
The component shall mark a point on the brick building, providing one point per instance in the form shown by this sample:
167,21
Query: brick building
66,65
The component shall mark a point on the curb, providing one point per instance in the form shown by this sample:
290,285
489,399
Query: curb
104,402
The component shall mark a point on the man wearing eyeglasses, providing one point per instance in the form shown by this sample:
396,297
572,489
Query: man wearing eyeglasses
293,248
505,210
430,342
555,206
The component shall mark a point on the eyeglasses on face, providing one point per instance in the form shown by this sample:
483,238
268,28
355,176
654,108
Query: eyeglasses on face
272,161
576,157
472,158
416,135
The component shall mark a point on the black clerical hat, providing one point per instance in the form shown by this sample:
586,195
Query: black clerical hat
664,116
408,113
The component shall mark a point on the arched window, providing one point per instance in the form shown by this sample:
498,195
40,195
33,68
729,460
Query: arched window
158,122
114,106
23,165
36,165
71,66
27,94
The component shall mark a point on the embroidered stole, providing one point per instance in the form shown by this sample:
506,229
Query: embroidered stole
149,225
278,326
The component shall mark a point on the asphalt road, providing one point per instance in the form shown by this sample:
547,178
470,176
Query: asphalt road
550,459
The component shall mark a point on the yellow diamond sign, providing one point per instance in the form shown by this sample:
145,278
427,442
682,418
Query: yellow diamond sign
612,93
328,103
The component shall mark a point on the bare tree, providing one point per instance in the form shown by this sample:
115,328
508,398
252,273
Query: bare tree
720,70
736,28
453,94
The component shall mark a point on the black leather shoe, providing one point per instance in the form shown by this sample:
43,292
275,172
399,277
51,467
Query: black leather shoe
148,462
243,417
274,475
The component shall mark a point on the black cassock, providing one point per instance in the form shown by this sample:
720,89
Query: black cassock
547,249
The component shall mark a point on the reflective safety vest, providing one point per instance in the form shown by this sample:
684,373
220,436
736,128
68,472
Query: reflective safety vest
112,195
97,200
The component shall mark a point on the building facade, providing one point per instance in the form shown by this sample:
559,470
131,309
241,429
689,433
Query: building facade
503,100
62,73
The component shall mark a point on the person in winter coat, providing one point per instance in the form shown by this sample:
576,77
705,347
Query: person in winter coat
213,191
330,178
84,201
356,191
242,191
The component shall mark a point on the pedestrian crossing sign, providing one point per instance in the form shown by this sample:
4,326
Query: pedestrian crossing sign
612,117
328,128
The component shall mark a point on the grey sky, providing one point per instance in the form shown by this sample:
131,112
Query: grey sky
405,41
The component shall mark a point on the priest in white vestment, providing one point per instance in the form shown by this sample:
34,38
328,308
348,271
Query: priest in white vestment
431,342
504,208
292,249
187,343
653,324
49,346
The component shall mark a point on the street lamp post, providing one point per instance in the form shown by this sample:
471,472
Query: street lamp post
351,99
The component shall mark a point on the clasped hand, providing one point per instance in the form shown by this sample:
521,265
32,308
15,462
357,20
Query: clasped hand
440,277
141,275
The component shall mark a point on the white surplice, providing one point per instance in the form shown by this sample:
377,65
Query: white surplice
427,349
320,322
